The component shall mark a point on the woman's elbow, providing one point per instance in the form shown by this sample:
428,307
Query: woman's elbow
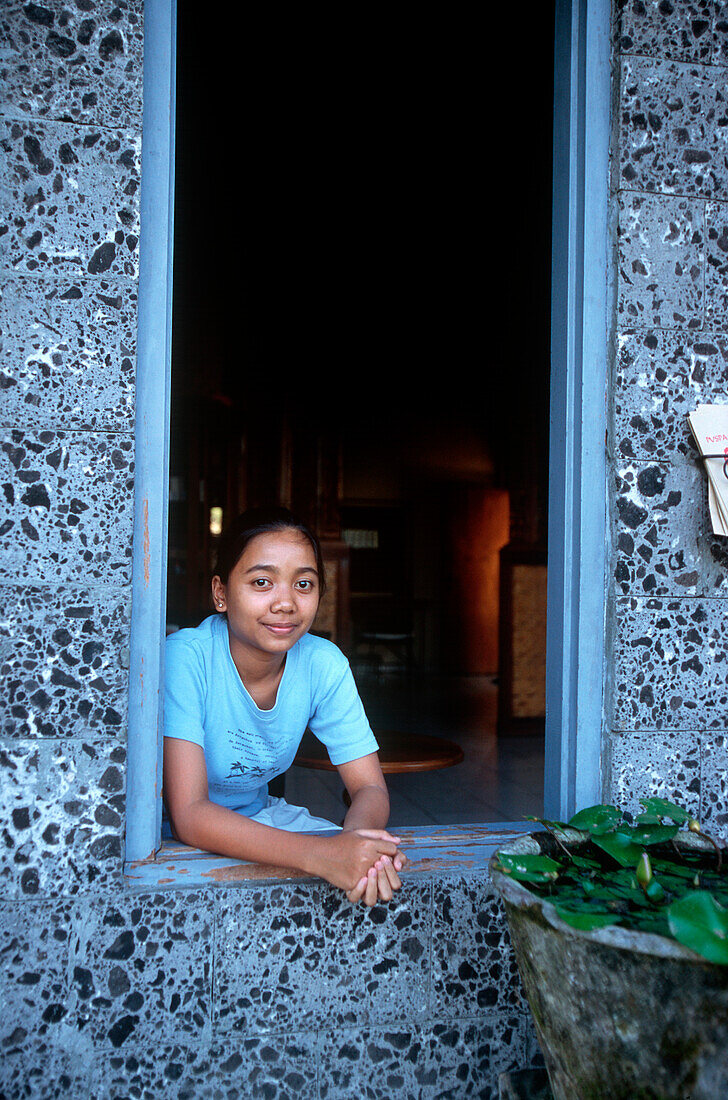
185,823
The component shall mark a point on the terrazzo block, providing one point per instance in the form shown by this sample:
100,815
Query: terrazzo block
716,265
269,1067
67,358
62,807
78,62
664,539
451,1060
465,1058
492,1046
284,951
70,199
661,262
373,1063
154,1071
670,664
660,377
714,783
682,32
659,514
720,33
270,951
669,141
34,949
41,1071
67,510
143,969
649,764
63,661
379,958
473,966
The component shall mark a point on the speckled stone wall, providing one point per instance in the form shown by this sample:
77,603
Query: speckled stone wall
668,665
264,990
273,990
69,197
283,989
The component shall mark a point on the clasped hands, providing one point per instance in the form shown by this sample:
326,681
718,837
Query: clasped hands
372,859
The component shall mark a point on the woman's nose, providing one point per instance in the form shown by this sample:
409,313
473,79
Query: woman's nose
283,600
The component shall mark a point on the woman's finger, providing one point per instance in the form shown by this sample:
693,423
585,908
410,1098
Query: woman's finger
393,878
400,861
378,834
384,887
371,891
355,895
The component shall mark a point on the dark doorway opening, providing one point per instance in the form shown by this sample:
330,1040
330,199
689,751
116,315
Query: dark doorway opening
361,331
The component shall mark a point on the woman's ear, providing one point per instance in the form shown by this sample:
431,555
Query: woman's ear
218,594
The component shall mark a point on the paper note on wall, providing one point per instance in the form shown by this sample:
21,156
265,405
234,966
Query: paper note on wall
709,425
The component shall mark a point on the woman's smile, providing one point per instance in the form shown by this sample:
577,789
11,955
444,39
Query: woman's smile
281,628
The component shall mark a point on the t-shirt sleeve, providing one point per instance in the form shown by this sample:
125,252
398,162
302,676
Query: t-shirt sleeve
184,691
339,720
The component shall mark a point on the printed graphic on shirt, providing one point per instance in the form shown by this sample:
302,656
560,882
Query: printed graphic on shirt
253,761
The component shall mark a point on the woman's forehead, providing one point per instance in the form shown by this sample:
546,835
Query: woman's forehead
271,546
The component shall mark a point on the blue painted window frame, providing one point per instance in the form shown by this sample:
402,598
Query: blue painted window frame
154,333
581,295
582,289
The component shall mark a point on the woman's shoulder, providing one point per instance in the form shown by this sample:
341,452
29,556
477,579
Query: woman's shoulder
322,656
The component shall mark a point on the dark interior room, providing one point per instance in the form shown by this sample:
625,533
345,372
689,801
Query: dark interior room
361,332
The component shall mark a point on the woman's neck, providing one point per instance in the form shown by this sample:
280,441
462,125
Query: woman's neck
261,673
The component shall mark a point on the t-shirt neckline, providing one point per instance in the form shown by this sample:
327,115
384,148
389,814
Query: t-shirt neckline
291,657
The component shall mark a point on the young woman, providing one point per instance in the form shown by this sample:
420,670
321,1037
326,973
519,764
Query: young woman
240,690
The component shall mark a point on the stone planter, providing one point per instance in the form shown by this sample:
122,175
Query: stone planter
620,1015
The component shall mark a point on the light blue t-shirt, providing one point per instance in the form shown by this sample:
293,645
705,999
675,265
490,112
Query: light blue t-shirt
205,701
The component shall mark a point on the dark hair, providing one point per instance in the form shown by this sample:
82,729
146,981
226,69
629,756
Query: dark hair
260,521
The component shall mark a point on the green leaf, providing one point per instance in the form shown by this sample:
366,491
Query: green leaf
585,863
529,868
672,868
698,922
651,920
649,834
596,820
660,807
586,921
648,819
620,847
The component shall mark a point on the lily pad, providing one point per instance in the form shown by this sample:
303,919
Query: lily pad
621,847
698,922
529,868
596,820
649,834
586,922
660,807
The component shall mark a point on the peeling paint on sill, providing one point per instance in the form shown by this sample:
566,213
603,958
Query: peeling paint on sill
433,850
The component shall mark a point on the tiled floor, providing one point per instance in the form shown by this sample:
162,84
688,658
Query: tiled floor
499,779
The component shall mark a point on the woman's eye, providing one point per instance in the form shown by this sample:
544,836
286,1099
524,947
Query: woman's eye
305,586
260,582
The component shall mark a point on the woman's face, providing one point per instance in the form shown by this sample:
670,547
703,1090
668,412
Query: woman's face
272,595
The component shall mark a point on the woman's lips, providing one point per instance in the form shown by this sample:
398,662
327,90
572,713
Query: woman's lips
280,628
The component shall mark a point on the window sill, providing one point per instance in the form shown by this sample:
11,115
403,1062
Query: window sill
432,850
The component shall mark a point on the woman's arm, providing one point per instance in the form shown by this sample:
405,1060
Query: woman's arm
342,860
369,812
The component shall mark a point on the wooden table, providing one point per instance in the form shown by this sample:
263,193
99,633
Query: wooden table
398,753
